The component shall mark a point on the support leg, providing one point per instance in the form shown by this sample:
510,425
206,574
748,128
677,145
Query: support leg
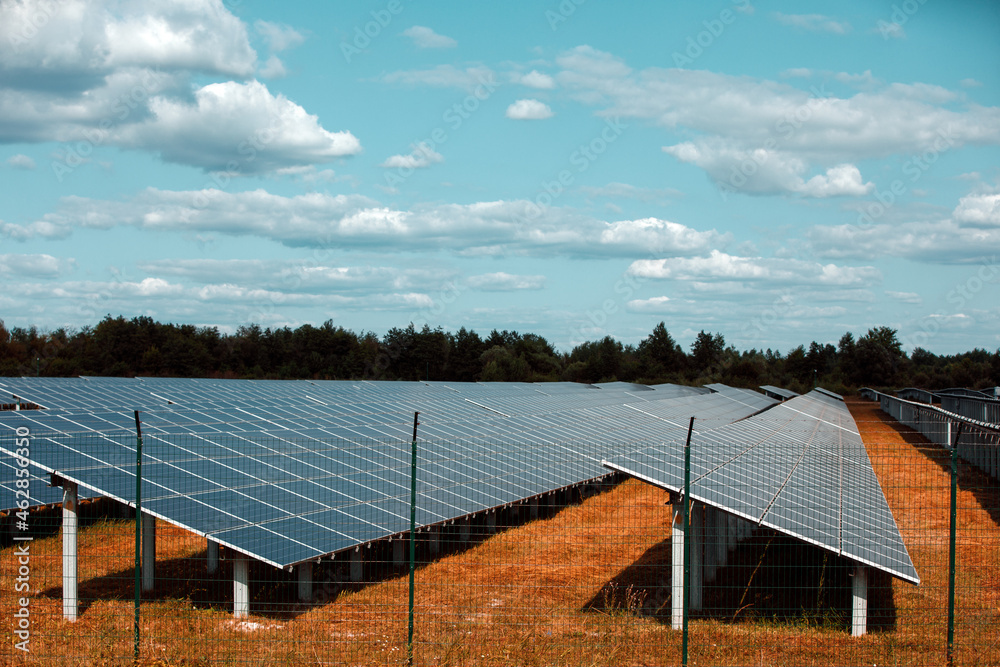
241,586
859,595
305,581
677,569
69,526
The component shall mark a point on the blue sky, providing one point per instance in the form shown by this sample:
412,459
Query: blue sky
774,172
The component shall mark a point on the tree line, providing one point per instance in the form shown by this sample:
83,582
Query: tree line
140,346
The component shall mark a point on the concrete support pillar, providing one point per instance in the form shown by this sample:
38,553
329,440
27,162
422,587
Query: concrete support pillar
731,520
697,538
552,503
241,586
677,568
711,540
357,565
213,556
534,508
148,552
69,526
859,597
491,523
305,581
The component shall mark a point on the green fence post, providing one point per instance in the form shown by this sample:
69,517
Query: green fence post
951,546
687,543
138,533
413,530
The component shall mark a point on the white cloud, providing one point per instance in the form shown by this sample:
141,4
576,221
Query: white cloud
445,76
421,157
273,68
21,161
733,118
243,125
933,241
529,110
505,282
426,38
721,266
970,83
906,297
844,179
761,171
118,74
656,304
323,220
535,79
865,79
279,37
307,276
981,210
14,266
660,236
813,23
90,38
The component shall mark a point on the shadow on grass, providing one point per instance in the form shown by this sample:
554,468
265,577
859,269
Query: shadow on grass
770,578
274,592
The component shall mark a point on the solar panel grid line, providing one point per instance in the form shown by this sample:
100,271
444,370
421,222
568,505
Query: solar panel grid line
791,472
83,482
787,511
539,479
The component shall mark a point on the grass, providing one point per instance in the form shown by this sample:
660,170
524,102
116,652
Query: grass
588,585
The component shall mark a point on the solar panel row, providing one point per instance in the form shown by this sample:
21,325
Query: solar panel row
800,468
313,469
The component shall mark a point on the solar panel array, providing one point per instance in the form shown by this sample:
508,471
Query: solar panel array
778,392
799,468
290,471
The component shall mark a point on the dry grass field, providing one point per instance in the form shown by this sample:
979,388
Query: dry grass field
588,585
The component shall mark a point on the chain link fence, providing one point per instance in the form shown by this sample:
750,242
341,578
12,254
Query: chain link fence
581,575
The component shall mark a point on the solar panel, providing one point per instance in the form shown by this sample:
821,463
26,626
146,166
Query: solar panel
799,468
288,483
778,391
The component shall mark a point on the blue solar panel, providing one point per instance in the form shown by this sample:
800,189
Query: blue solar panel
330,470
800,468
